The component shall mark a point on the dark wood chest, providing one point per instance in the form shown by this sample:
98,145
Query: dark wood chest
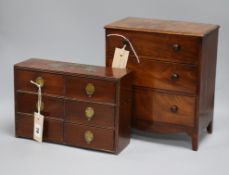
84,106
174,82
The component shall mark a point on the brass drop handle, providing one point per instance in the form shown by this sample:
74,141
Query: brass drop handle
40,81
41,107
90,89
174,109
176,47
88,136
89,113
174,77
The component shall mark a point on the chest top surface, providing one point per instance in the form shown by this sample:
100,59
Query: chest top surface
163,26
72,68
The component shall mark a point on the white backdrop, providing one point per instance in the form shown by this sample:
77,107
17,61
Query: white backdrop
72,30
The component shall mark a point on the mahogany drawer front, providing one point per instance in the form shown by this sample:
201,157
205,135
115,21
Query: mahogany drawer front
165,108
90,113
175,48
53,83
164,75
53,129
52,107
89,137
90,89
174,109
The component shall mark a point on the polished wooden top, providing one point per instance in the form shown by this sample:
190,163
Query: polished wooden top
72,68
163,26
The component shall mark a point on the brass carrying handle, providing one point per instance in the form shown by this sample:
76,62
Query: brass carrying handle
89,113
90,89
40,81
41,107
88,136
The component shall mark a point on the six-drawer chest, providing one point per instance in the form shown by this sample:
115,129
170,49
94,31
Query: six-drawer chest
174,82
84,106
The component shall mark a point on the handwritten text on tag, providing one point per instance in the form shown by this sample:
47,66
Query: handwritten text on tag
38,127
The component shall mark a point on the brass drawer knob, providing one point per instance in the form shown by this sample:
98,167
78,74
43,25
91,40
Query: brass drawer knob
89,113
174,109
174,77
88,136
42,106
40,81
176,47
90,89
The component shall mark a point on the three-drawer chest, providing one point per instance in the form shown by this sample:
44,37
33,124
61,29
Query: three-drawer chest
174,82
84,106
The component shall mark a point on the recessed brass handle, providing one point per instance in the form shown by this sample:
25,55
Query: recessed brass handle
176,47
89,113
174,77
88,136
40,81
42,106
90,89
174,109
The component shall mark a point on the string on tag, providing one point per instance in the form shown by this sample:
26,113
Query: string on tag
131,46
39,101
123,50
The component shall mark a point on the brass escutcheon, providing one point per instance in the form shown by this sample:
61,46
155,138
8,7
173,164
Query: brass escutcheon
88,136
89,113
90,89
40,81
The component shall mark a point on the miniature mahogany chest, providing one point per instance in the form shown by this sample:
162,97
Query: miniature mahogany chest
174,82
84,106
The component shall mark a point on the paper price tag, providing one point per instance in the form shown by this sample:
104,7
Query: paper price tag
38,127
120,58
